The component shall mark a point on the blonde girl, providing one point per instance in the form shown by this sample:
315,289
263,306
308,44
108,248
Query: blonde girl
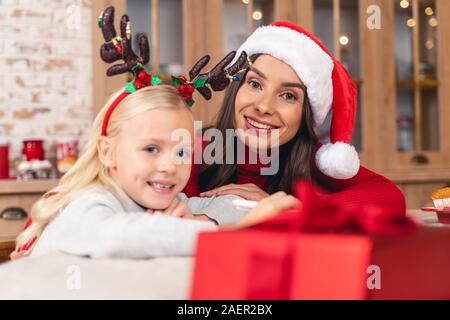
121,198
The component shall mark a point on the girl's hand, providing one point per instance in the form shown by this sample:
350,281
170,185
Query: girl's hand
179,209
268,208
18,254
248,191
176,209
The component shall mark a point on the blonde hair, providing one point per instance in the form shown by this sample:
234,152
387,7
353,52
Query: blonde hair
88,170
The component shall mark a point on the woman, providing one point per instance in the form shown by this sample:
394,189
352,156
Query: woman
289,87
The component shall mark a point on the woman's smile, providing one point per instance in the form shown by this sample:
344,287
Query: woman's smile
255,123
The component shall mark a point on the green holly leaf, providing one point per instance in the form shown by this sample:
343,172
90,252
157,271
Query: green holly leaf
136,69
190,102
130,87
199,82
99,22
176,81
155,80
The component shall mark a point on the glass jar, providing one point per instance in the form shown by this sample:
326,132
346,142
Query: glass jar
33,150
66,153
4,159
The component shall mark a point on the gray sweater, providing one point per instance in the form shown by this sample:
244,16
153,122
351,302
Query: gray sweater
100,224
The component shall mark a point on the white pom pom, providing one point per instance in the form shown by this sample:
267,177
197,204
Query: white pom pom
338,160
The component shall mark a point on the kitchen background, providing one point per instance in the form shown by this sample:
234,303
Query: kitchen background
52,81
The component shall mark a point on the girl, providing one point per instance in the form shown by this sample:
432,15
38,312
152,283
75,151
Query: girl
288,88
120,198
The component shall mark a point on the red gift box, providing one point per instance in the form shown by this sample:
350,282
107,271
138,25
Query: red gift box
292,257
257,264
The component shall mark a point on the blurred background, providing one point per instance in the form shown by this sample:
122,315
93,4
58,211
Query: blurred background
52,81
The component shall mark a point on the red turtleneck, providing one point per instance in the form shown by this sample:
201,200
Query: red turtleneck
366,187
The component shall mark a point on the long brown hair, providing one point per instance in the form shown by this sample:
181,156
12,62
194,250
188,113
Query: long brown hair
294,156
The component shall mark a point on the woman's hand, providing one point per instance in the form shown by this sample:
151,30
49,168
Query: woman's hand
267,209
248,191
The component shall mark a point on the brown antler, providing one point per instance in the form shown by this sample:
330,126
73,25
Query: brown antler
119,48
218,78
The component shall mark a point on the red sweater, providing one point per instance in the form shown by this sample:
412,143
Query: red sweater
366,187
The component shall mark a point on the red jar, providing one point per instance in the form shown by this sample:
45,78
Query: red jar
33,150
4,159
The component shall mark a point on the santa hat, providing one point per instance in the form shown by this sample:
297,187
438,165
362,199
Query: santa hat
328,85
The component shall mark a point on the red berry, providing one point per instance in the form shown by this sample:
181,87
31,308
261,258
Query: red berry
190,88
142,75
118,48
138,84
182,88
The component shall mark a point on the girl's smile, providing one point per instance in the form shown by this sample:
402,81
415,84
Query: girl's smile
162,186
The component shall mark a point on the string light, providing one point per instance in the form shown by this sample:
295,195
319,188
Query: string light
429,11
429,44
343,40
433,22
411,23
404,4
245,1
257,15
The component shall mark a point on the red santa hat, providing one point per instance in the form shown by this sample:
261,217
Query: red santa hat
328,84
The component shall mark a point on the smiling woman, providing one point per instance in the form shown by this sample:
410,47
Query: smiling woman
290,85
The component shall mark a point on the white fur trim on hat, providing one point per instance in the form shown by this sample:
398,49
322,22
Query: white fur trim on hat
313,65
338,160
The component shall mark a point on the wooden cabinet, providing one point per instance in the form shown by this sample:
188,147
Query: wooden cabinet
8,233
21,194
402,138
403,118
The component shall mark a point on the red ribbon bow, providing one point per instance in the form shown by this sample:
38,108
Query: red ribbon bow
319,214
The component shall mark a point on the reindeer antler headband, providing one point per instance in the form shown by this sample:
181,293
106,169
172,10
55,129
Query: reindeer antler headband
118,48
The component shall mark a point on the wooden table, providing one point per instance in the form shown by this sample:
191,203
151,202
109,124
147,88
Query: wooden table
429,219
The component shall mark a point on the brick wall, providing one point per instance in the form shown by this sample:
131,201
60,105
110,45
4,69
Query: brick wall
45,71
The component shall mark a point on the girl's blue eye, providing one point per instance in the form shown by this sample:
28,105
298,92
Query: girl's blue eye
182,153
152,150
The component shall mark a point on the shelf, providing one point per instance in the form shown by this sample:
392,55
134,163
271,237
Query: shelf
32,186
410,84
421,175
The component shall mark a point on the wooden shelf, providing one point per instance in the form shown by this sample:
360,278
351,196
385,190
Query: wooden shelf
32,186
424,84
416,175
